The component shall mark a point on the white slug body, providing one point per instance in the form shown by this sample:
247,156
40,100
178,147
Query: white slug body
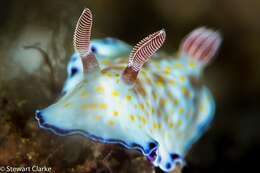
161,113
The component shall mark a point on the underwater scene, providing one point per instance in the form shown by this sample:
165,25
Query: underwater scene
92,86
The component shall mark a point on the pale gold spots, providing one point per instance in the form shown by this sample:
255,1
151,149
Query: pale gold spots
98,117
202,108
159,113
172,82
142,119
84,107
100,90
142,106
83,94
192,65
88,106
175,102
67,105
140,126
182,78
168,70
111,123
152,110
185,92
103,106
117,81
179,123
132,117
160,82
159,126
181,111
178,66
146,113
106,62
115,93
154,95
115,114
129,98
148,104
148,81
139,88
154,125
170,125
162,103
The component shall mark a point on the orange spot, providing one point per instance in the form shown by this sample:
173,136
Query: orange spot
111,123
98,117
128,98
185,92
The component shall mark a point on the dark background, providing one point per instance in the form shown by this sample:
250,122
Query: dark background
230,145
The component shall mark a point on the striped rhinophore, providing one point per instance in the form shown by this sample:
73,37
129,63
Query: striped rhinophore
201,44
145,49
161,108
82,33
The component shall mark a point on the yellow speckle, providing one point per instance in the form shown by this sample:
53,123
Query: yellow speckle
192,65
142,107
171,125
115,93
111,123
128,98
181,111
140,126
202,108
148,104
118,81
88,106
154,126
148,81
182,78
83,107
168,70
171,82
178,65
185,92
66,105
152,110
103,106
180,122
83,94
100,89
106,62
160,82
162,102
159,126
132,117
98,117
154,95
175,102
143,120
115,114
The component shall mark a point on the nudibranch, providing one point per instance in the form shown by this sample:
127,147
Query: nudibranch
159,107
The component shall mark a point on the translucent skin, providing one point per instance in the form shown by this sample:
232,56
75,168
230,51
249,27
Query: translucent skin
162,115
